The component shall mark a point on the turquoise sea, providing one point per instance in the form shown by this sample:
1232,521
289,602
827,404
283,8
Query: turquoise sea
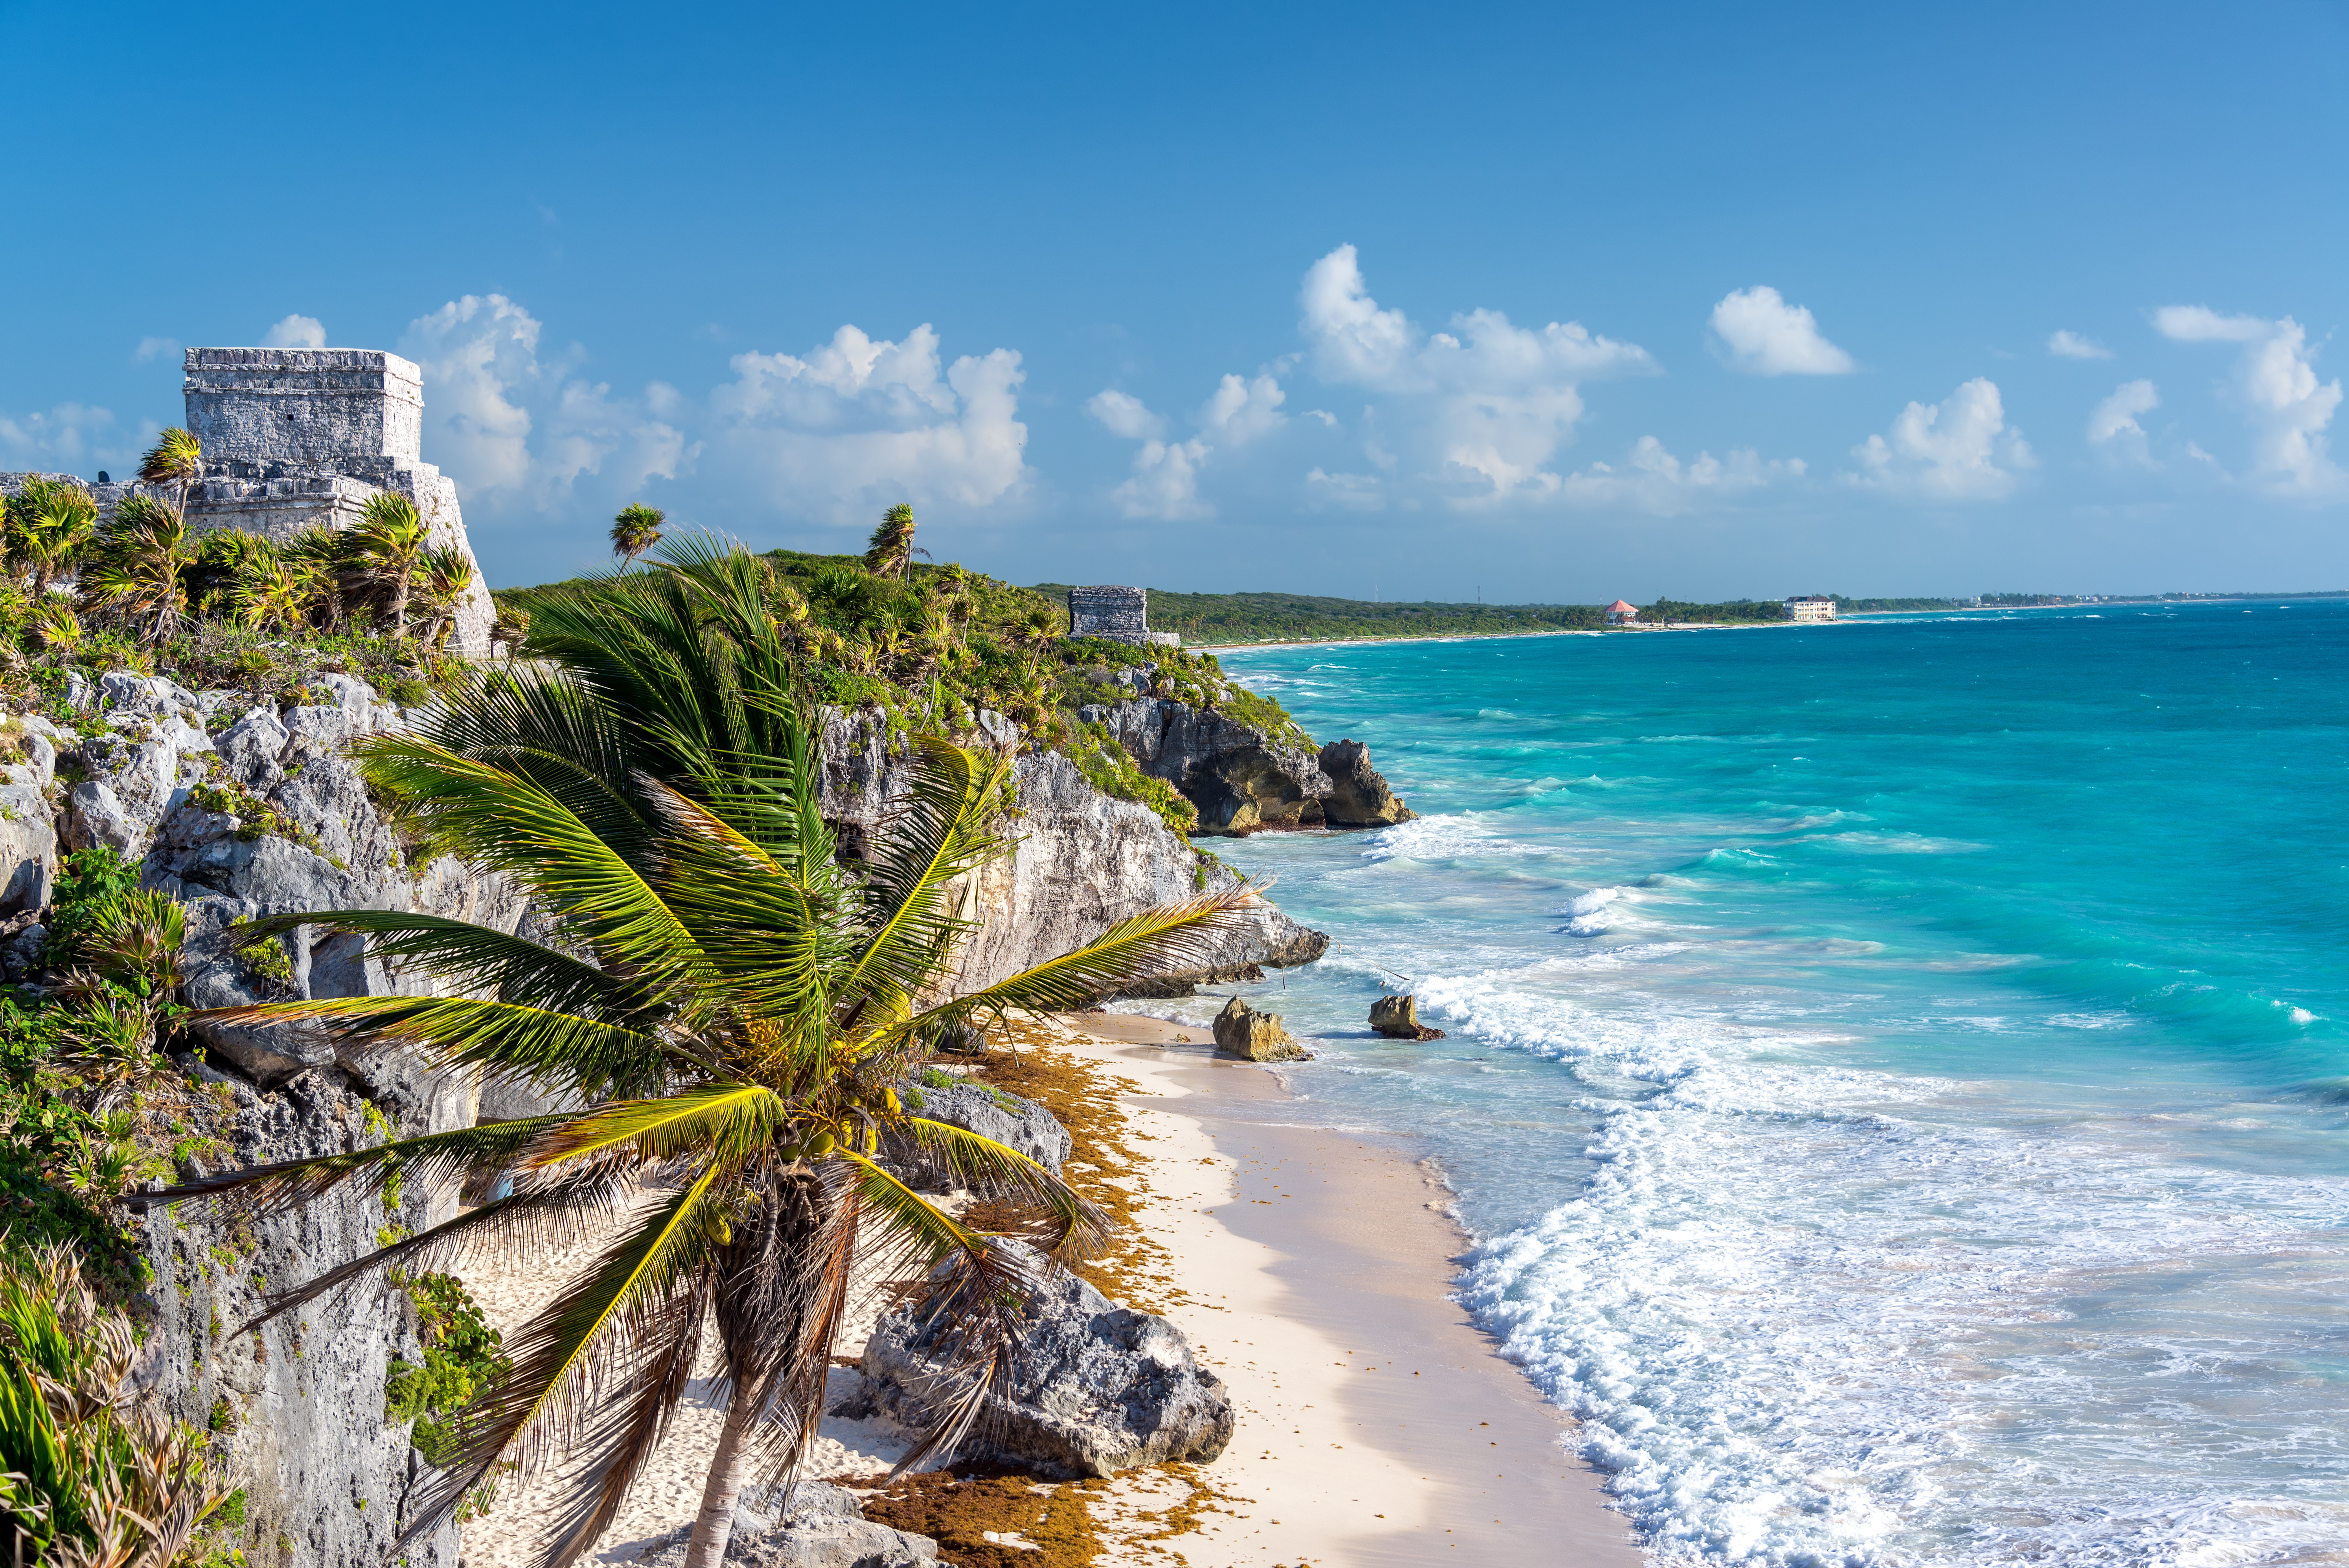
1897,1072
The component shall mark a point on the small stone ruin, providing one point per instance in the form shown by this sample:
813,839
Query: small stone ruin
1117,615
295,437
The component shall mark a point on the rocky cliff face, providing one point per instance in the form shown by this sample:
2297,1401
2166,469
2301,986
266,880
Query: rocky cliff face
242,810
1082,863
1244,780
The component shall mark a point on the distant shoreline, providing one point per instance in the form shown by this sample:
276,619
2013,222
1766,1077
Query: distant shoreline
1593,631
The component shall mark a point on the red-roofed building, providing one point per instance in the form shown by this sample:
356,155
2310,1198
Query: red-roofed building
1618,614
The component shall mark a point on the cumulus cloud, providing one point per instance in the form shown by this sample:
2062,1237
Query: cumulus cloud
1474,415
1243,411
295,331
861,420
1959,449
2274,384
1767,336
1126,416
515,426
152,348
1655,482
2113,427
2067,344
72,439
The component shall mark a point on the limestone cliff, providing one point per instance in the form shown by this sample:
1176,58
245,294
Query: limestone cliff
1082,860
1245,779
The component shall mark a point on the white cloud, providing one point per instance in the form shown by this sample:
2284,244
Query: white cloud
1767,336
2113,427
1241,411
1658,483
150,348
71,438
860,420
2287,409
1958,450
1126,416
1470,416
2064,344
295,331
1165,482
512,427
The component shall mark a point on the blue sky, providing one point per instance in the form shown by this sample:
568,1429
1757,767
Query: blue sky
1554,304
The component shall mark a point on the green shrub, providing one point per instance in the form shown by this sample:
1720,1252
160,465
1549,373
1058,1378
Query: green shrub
462,1364
95,881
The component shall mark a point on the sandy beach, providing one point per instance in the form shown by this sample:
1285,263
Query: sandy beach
1308,1267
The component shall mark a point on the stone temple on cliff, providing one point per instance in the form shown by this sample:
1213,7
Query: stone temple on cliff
293,437
1118,614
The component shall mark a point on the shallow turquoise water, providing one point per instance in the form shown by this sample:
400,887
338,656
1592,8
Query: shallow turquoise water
1898,1072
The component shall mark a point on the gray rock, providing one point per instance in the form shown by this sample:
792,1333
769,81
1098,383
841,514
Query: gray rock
297,1408
1358,796
1241,1031
1021,1124
1397,1017
1241,779
822,1529
28,850
1082,863
1095,1388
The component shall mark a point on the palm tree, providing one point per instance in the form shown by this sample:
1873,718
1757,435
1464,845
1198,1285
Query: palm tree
635,529
321,556
736,1041
890,552
177,458
389,539
138,563
49,523
448,572
276,591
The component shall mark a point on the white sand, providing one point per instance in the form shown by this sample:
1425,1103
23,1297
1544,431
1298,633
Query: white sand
1376,1427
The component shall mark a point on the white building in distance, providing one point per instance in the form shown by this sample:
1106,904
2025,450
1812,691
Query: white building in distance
1811,607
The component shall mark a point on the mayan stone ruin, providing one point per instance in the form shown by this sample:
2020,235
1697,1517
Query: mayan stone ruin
298,436
1119,614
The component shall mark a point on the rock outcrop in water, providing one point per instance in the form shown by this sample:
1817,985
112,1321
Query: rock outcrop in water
1245,779
1241,1031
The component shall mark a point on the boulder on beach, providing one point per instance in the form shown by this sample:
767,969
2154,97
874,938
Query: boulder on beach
1241,1031
1008,1119
1095,1388
1397,1017
820,1526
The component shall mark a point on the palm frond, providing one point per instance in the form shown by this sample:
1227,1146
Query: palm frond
431,1159
981,1163
541,1047
475,958
722,1122
1174,934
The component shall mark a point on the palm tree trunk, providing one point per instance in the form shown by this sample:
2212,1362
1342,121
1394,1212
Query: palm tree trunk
729,1468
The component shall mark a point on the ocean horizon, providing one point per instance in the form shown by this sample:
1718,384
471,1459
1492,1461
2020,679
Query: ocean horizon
1897,1073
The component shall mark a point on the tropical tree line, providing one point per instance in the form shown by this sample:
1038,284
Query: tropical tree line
141,572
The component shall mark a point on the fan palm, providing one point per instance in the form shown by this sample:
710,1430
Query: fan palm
138,564
448,572
390,541
49,523
635,529
735,1042
177,458
321,557
890,552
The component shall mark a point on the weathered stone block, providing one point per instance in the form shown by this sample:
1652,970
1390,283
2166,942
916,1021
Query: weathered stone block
307,406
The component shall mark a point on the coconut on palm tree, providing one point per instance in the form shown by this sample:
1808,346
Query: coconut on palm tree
137,565
390,541
635,529
732,1010
890,552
